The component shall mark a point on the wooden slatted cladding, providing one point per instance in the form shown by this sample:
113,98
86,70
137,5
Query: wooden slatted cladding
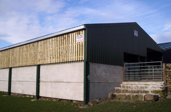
63,48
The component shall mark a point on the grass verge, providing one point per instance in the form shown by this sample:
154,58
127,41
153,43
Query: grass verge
24,104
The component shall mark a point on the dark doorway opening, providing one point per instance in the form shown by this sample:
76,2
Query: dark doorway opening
129,58
153,55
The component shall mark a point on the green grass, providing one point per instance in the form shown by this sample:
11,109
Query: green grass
24,104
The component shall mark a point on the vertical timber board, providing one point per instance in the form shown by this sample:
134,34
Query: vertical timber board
17,56
29,54
41,52
57,50
7,59
62,48
58,53
45,49
38,52
52,51
2,59
75,56
66,48
69,47
44,52
78,47
13,56
35,53
61,51
26,55
80,54
72,47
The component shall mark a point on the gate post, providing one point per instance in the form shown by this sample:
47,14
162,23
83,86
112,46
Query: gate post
123,72
164,73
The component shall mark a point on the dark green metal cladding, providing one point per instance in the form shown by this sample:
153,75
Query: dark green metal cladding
86,71
9,81
37,81
167,56
107,43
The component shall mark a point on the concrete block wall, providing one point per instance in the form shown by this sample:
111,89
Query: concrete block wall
64,81
4,80
24,80
103,80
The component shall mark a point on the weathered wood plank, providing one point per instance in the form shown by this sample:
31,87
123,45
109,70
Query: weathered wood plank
57,49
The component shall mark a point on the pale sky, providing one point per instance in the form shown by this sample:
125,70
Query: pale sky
21,20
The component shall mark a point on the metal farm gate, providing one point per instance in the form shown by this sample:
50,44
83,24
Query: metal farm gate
143,71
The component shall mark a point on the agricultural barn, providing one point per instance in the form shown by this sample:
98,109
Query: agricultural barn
82,63
166,47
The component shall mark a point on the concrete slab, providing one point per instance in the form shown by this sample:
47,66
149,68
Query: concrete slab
64,81
70,91
103,80
4,80
24,80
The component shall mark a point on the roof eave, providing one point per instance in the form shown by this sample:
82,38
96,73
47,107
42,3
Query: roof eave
44,37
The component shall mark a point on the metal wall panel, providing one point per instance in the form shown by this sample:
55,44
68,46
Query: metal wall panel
108,42
167,56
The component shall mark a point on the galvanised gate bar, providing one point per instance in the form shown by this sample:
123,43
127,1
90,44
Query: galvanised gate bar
143,71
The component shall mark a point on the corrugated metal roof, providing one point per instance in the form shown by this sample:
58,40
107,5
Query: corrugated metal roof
44,37
165,46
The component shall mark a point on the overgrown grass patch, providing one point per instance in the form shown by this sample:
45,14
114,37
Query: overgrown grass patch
24,104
